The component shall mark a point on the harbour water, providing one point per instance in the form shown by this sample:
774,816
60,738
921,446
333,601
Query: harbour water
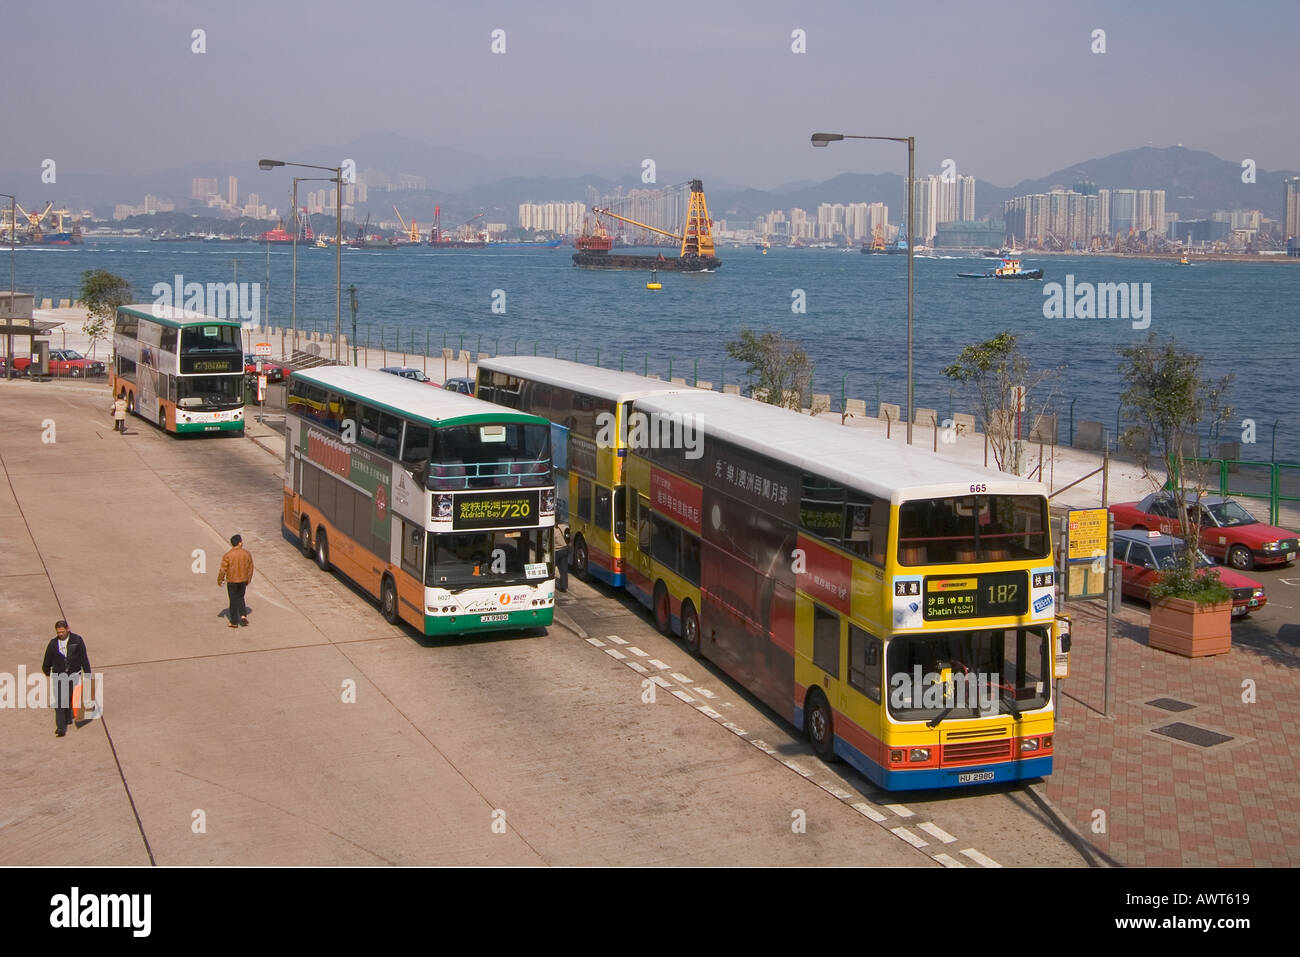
1242,317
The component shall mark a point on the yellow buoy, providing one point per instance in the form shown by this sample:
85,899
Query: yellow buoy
654,282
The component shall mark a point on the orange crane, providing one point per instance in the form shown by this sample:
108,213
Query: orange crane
412,231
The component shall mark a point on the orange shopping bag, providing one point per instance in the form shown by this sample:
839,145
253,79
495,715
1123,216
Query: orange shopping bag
77,712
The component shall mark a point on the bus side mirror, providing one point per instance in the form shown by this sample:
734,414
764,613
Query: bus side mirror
1065,642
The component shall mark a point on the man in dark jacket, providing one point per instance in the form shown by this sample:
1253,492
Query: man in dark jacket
65,660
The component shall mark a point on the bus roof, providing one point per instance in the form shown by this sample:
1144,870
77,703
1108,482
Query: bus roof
417,400
593,380
883,467
170,316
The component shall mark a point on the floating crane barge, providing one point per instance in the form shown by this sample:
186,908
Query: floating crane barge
696,250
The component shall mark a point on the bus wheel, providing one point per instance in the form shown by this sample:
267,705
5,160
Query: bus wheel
580,558
322,550
162,419
388,601
690,629
663,610
1239,557
130,402
819,724
304,537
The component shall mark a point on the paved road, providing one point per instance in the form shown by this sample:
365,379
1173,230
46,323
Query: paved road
245,747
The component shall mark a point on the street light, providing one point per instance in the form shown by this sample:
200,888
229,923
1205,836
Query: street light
13,234
293,300
338,238
826,139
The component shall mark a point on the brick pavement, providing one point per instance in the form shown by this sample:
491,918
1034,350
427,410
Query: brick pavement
1144,800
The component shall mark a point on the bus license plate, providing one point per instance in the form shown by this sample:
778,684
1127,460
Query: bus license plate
493,617
970,777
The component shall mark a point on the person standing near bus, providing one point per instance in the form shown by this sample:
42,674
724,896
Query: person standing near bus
236,572
119,414
65,660
560,542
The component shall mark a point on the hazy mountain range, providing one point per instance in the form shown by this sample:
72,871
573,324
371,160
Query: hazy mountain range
464,184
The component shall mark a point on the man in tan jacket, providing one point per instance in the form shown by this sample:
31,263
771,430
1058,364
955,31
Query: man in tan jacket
236,572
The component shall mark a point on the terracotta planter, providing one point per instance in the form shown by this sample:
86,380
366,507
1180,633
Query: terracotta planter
1182,627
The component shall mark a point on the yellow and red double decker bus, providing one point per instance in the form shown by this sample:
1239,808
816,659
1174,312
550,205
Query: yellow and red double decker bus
437,504
897,607
587,407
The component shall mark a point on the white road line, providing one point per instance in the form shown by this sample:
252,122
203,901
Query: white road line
684,697
734,729
616,639
762,746
947,861
866,810
796,768
914,839
934,830
615,653
706,692
661,682
705,709
637,667
596,641
836,790
682,679
980,859
638,652
659,664
899,809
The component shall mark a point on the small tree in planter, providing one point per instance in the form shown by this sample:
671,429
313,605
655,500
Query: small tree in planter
1168,399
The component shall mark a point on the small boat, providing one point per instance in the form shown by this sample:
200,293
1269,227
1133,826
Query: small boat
1010,269
654,282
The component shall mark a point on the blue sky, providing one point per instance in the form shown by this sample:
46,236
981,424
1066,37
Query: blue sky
1006,90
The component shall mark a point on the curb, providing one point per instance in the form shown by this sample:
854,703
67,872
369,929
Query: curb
1090,854
563,619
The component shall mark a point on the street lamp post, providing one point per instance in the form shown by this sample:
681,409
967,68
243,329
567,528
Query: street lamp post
13,235
293,295
338,238
826,139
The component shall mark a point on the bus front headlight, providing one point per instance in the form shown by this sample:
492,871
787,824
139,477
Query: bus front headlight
1028,744
919,754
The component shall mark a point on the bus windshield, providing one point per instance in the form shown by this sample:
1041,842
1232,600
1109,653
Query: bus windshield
487,558
966,674
210,392
511,455
972,528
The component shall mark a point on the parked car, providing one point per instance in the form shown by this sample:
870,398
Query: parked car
408,373
1141,555
461,384
63,362
273,371
1228,532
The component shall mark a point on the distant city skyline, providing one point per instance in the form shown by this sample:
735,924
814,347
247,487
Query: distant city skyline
716,90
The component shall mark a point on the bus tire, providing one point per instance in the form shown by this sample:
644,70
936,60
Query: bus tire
580,558
322,550
663,609
130,402
819,724
162,419
690,629
388,601
304,537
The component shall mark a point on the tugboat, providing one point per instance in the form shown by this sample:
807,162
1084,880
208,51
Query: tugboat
1010,269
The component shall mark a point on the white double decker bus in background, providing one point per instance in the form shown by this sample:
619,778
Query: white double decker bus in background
439,505
179,368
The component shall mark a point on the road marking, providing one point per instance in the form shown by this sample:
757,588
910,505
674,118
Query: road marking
705,709
913,839
682,695
660,682
615,653
980,859
796,768
867,811
659,664
899,809
637,667
706,692
682,679
935,830
836,790
616,639
741,732
638,652
762,746
947,861
597,642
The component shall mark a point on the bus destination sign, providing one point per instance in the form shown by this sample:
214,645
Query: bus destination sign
975,596
201,365
495,509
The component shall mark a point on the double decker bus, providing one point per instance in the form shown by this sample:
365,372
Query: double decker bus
897,608
179,368
588,409
439,505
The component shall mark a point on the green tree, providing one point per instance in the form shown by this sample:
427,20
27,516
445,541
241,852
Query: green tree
776,366
991,371
1169,398
102,292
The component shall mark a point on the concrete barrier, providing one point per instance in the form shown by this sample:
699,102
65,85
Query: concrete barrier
1044,430
963,424
1230,452
677,380
924,417
731,389
47,304
447,353
758,394
856,408
890,411
790,398
701,384
1089,436
821,403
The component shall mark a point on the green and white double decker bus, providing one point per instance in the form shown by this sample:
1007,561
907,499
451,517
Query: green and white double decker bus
439,505
179,368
